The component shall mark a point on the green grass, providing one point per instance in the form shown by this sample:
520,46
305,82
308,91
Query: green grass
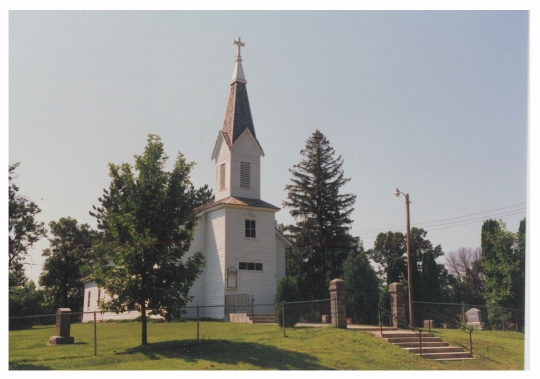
230,346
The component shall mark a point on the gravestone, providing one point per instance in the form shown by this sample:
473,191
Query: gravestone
428,324
474,318
63,323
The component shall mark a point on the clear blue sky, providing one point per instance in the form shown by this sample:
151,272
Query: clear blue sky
434,103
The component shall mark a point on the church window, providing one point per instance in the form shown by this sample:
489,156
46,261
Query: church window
99,293
250,266
245,175
250,228
89,293
222,177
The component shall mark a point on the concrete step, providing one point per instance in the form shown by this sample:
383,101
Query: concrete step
417,344
412,339
406,334
432,347
436,349
262,318
447,356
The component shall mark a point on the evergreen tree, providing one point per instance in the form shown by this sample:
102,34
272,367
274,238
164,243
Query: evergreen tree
362,288
202,196
429,280
68,262
147,224
321,234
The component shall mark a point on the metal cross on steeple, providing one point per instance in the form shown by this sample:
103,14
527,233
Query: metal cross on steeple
239,44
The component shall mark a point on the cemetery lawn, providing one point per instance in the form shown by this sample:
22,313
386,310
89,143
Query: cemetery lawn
231,346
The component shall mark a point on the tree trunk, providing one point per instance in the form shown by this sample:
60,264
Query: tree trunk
144,340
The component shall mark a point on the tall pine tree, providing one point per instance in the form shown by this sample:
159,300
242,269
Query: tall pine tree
321,234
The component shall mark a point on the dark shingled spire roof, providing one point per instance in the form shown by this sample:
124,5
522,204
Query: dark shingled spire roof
238,115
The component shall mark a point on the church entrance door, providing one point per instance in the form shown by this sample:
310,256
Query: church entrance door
252,283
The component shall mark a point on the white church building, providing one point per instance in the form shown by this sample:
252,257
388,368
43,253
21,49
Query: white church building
245,253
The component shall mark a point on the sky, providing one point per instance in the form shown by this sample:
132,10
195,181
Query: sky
434,103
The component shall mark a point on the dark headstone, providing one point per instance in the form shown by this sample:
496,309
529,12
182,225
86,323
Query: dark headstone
428,324
63,323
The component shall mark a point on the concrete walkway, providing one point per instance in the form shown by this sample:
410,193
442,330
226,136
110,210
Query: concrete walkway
366,328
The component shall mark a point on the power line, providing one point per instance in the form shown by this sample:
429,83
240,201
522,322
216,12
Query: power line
445,219
442,206
460,223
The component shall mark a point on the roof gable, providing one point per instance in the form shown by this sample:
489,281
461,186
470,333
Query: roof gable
220,141
247,138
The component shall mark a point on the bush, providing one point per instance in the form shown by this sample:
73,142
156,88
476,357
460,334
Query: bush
287,291
24,301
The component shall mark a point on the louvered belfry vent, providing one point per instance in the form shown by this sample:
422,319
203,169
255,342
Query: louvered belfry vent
222,177
245,175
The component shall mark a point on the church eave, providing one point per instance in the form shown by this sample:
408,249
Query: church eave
237,201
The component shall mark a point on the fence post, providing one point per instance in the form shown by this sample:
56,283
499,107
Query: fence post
197,323
283,317
420,334
95,334
470,341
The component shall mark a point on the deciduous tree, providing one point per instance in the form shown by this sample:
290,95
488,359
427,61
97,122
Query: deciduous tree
504,270
24,229
147,224
389,251
68,261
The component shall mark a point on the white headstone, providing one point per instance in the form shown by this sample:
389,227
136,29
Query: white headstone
474,318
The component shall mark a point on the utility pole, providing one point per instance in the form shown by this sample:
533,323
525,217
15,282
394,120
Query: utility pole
409,267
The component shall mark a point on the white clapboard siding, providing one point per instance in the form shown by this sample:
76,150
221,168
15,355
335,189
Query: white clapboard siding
261,249
198,244
280,258
245,149
214,272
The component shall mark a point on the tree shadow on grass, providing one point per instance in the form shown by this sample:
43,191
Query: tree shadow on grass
27,366
230,352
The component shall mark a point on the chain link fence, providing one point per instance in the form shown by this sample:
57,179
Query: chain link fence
110,333
447,315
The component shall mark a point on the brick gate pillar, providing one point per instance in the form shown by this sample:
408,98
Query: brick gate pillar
338,303
397,301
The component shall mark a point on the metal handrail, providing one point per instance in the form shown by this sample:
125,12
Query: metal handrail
448,320
402,322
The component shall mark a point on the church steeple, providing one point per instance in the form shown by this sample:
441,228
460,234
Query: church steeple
238,114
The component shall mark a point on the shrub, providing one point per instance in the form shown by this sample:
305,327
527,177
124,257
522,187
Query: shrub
287,291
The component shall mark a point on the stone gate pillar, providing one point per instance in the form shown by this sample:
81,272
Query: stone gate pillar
338,303
397,301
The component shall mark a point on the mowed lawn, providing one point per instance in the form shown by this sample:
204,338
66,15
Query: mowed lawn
231,346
